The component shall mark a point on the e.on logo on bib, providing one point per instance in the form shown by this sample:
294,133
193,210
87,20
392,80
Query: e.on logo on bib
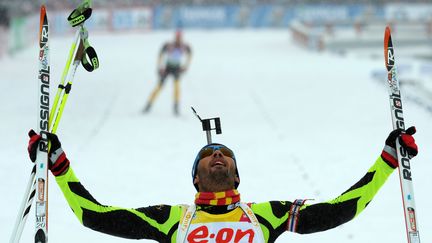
213,232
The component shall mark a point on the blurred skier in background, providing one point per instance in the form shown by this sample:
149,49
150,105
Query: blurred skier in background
174,59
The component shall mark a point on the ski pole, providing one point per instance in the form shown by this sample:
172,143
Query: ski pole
31,190
77,18
81,36
24,208
405,175
64,90
64,75
80,56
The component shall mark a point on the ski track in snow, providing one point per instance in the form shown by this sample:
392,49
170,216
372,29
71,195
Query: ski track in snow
302,125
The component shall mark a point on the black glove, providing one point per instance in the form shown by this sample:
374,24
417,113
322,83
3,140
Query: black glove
406,140
58,162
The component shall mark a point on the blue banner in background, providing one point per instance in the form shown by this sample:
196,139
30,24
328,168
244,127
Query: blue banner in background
224,16
216,16
122,19
256,16
194,17
202,17
234,16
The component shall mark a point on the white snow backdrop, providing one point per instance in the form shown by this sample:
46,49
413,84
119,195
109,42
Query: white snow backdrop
302,124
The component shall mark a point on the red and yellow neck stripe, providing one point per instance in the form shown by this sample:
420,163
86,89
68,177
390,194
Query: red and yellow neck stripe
217,198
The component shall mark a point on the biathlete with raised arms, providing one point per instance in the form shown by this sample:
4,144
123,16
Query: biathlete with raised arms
218,214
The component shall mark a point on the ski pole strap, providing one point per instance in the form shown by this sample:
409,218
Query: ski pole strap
92,62
293,214
80,14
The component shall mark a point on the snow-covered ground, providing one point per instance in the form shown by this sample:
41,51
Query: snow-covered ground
302,124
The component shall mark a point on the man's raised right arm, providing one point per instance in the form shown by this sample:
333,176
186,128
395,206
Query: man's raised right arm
154,222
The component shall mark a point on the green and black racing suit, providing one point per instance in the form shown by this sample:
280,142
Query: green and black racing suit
160,222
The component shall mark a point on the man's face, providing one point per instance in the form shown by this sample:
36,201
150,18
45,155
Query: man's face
216,172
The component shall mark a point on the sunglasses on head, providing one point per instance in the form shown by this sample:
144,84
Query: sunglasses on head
209,150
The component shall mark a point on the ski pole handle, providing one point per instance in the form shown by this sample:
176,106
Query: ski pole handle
79,15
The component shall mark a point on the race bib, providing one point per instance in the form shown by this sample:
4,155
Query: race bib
239,225
221,232
175,56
